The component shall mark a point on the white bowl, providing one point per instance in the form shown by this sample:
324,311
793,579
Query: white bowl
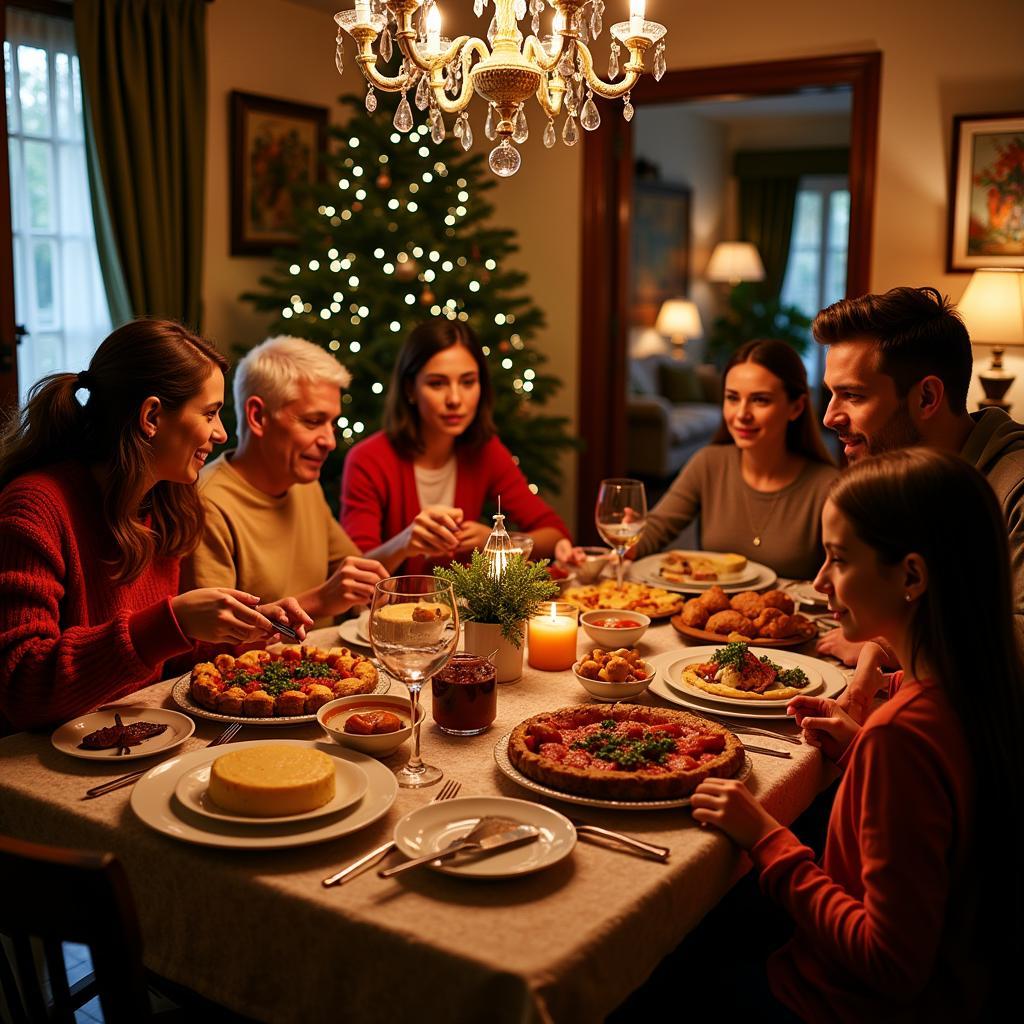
379,745
612,639
595,559
609,693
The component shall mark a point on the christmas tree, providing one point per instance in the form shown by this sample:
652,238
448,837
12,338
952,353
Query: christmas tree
398,232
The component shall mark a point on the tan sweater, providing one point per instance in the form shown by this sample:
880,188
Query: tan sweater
272,547
732,513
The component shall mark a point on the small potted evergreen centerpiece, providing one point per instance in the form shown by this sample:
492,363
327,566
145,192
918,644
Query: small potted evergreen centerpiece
495,607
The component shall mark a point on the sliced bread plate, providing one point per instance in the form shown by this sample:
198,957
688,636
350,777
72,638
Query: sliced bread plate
754,577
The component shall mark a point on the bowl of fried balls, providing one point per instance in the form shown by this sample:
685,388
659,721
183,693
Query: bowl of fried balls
610,676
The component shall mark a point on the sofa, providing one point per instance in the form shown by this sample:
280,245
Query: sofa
673,409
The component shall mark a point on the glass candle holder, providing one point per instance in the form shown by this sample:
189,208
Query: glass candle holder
551,637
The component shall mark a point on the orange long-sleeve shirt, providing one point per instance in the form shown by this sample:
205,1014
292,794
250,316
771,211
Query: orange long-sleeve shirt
883,925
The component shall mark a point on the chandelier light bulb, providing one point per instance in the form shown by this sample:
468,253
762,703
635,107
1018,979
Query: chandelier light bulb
434,29
559,22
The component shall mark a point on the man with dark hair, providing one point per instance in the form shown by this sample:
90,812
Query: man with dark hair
899,366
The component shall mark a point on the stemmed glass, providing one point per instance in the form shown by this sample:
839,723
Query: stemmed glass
621,515
414,630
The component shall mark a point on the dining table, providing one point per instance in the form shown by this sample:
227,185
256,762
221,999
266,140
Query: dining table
257,932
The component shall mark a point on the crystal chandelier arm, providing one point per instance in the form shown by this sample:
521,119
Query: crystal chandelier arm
534,50
461,101
551,104
367,60
612,90
427,62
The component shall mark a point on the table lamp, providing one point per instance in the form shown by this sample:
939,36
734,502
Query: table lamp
734,262
679,320
992,308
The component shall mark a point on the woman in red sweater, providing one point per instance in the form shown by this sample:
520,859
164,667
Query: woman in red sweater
98,504
917,903
422,482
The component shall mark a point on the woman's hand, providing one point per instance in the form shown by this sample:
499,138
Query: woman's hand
567,554
289,611
835,644
868,678
825,724
730,806
472,535
352,583
435,532
221,615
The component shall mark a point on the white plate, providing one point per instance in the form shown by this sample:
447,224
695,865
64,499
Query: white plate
155,804
674,677
833,679
350,634
508,768
66,739
434,826
645,570
183,698
804,593
193,791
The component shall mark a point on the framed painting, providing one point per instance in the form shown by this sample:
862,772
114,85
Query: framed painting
275,149
661,248
986,213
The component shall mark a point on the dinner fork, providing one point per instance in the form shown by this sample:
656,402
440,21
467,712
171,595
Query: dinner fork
447,792
126,780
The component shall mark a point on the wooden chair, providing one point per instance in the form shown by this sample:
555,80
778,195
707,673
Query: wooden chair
57,895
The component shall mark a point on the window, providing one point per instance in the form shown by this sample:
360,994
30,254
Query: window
816,270
58,290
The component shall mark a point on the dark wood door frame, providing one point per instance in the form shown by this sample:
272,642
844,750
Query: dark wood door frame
607,189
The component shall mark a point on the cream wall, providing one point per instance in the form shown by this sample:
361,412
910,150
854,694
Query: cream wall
940,57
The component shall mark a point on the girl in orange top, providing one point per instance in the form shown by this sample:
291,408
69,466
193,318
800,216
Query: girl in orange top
898,921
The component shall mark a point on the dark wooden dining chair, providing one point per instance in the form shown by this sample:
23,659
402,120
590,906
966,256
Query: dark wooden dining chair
56,895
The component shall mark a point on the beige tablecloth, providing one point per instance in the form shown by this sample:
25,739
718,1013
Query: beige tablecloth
257,932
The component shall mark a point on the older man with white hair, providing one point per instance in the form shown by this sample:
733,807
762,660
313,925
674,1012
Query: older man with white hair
269,529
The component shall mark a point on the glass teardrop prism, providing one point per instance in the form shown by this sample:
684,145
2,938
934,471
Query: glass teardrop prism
520,10
627,108
570,133
403,115
478,7
371,100
437,128
590,116
535,24
457,127
595,23
549,135
467,133
423,92
385,45
660,66
504,159
339,57
613,62
489,124
522,129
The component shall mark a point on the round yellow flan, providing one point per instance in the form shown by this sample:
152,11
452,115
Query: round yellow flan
272,780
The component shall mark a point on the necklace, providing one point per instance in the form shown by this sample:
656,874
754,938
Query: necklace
755,530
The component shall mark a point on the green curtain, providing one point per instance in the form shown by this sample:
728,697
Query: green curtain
143,67
767,198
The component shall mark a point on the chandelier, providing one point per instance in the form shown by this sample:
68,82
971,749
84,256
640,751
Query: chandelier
506,71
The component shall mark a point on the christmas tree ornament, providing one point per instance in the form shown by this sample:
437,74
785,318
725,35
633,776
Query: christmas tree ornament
383,180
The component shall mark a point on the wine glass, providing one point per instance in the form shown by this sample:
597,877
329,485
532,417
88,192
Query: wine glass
414,630
621,515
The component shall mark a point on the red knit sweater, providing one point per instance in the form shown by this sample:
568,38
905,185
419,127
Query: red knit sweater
379,499
883,925
71,638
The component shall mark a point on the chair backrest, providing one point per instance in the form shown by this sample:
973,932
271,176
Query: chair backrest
57,895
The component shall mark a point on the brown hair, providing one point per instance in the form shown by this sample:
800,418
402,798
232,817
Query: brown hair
918,333
963,627
402,418
802,434
139,359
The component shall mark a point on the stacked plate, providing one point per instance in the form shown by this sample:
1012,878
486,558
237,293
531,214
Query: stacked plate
172,798
824,680
754,576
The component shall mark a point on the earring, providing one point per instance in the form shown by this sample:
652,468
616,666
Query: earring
908,597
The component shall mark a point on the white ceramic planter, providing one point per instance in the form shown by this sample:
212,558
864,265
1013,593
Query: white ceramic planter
484,637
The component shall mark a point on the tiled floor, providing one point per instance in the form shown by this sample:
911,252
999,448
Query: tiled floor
78,964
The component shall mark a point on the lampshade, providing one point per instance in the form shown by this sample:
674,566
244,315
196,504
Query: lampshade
992,307
647,343
735,262
679,318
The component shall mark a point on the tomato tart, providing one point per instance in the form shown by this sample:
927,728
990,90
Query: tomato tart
626,752
294,681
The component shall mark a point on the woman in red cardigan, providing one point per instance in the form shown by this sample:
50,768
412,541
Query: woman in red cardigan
915,912
98,504
420,485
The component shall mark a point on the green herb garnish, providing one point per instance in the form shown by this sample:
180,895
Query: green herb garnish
623,751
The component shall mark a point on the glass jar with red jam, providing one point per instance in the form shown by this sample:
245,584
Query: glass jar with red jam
465,695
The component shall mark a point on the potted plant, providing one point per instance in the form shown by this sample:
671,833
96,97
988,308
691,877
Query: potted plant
495,609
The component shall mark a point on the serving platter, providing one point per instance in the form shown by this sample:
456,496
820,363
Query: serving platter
754,577
718,638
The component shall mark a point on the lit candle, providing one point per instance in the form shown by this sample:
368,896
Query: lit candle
552,638
637,10
363,12
434,30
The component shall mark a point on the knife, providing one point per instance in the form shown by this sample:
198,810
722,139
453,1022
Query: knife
517,836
